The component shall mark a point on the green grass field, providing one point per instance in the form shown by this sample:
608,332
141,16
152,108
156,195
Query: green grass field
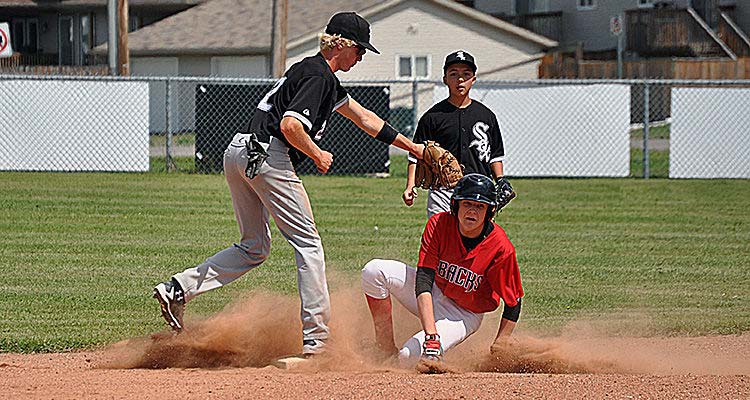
654,132
82,251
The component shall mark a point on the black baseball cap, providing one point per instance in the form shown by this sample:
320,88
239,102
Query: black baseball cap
353,27
462,57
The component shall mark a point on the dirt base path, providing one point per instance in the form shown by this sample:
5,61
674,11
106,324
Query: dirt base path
229,356
80,376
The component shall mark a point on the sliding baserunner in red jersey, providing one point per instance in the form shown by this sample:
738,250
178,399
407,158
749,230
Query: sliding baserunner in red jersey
467,266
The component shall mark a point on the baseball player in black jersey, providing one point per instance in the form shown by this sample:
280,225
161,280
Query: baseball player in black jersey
260,169
463,126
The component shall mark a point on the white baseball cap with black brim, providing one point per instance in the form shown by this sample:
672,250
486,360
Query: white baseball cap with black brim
353,27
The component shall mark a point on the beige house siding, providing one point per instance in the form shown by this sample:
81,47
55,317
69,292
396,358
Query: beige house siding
422,28
220,66
157,66
240,66
183,99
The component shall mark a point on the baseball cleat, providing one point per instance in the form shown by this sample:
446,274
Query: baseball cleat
313,347
171,298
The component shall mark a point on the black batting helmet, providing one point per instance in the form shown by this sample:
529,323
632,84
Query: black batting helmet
475,187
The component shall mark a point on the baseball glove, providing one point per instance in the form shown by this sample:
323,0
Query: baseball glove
505,193
438,168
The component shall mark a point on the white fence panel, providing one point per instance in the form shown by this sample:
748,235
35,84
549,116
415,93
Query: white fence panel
56,125
561,131
710,135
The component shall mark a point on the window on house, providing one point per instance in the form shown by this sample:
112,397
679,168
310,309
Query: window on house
539,6
32,35
134,23
586,4
645,3
65,40
16,35
25,35
87,36
410,67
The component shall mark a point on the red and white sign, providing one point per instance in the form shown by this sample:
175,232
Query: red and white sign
615,25
5,49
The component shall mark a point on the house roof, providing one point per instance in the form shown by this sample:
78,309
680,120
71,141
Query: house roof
234,27
63,4
18,3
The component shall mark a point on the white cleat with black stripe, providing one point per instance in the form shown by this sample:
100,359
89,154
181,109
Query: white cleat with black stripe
171,298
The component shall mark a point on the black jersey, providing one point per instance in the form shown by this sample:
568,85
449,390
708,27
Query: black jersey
309,92
472,134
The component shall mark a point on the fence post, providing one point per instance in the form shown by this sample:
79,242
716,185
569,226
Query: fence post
646,124
170,163
414,102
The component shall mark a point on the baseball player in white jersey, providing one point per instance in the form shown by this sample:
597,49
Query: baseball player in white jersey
260,171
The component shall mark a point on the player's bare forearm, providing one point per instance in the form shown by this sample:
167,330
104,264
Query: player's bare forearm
503,344
402,142
497,169
365,119
295,134
411,170
369,122
426,313
505,330
410,193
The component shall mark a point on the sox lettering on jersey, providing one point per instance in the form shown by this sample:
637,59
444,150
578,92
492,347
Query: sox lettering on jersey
481,141
460,276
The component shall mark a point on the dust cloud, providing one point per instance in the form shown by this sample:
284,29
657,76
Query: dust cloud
261,327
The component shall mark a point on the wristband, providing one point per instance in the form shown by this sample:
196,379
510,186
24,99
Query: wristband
512,313
387,134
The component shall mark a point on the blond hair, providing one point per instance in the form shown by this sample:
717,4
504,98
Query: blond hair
328,41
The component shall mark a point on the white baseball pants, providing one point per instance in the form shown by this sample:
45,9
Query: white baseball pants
381,278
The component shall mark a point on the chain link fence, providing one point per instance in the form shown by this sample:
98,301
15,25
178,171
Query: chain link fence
555,128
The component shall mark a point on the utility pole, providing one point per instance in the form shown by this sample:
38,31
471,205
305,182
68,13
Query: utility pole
278,37
112,36
616,27
123,59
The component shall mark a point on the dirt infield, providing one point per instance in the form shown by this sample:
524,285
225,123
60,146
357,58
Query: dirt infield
228,356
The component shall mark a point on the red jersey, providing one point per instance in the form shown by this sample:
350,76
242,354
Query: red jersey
476,280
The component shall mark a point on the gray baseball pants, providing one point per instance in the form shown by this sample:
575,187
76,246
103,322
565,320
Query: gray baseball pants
438,200
279,192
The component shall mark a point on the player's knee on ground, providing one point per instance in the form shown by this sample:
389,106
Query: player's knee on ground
374,281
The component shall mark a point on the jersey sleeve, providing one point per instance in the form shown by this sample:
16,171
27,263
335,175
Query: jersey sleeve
497,150
342,96
430,248
507,282
309,96
420,135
